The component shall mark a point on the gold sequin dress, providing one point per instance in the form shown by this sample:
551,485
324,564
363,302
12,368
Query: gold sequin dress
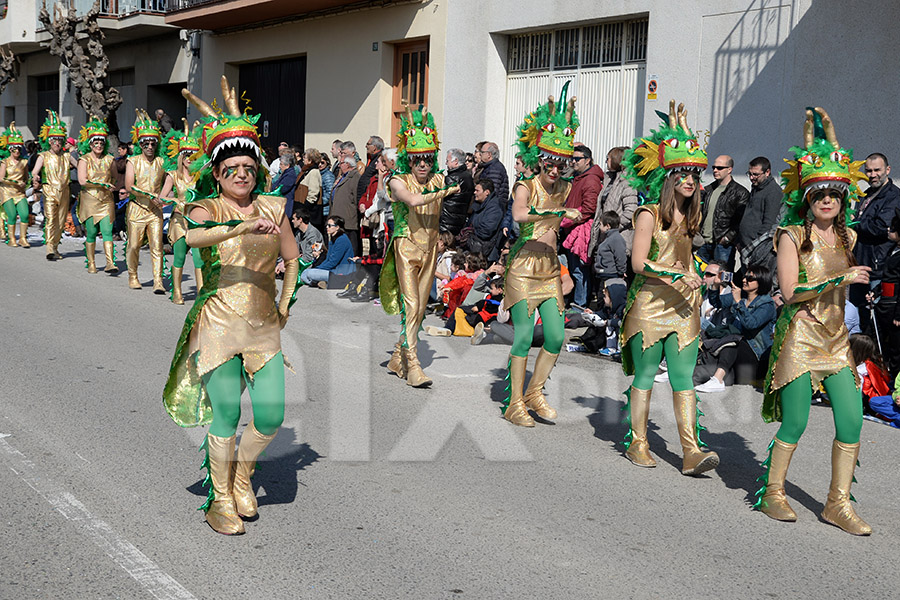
55,188
240,317
660,309
177,224
534,276
13,185
97,202
820,347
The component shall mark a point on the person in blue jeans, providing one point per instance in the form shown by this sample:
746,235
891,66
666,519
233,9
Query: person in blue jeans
340,254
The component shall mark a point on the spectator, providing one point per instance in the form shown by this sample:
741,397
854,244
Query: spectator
887,309
485,220
752,312
309,239
723,206
165,122
121,194
509,229
455,207
495,171
327,183
339,260
374,148
611,259
709,314
465,318
343,200
617,196
286,181
470,163
583,197
310,186
446,248
479,164
760,216
336,155
275,165
876,383
349,149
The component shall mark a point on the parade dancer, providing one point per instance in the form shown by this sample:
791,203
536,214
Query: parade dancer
144,176
96,207
662,311
51,177
13,181
815,264
546,145
416,189
232,335
179,146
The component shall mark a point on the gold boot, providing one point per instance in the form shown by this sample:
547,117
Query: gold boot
838,508
515,412
198,280
696,461
109,250
11,235
221,514
23,235
774,503
177,298
133,281
534,395
397,364
158,287
252,445
89,249
638,450
415,376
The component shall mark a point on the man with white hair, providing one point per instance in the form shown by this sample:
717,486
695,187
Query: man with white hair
343,199
495,171
455,208
374,148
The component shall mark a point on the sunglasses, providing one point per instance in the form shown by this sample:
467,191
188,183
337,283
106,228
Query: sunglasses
708,274
750,278
428,160
718,168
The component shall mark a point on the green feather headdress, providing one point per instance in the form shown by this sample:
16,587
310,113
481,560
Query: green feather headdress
547,132
10,137
673,147
94,128
820,163
53,127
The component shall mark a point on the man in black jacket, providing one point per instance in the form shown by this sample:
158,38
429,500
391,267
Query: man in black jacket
486,216
760,215
374,148
455,208
723,203
495,171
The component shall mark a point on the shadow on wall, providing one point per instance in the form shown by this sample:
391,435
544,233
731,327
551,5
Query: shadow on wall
764,73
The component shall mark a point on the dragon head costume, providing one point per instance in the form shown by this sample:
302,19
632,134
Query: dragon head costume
821,163
53,127
10,138
179,144
144,130
548,133
418,138
92,130
221,130
671,148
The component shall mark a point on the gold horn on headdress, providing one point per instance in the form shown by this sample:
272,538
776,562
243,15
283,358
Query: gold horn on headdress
682,118
809,130
673,122
230,97
205,109
408,109
551,104
12,126
187,131
828,126
570,109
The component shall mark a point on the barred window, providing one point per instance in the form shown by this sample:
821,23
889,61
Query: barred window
601,44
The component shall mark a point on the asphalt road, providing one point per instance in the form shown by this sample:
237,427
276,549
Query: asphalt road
376,490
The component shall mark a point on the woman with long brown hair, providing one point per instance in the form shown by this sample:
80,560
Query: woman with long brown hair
662,313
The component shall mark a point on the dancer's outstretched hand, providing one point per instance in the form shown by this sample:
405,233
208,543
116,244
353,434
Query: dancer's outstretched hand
861,274
265,227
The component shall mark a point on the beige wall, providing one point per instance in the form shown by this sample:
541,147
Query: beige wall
348,85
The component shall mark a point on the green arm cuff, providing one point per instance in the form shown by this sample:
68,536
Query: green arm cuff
813,289
662,271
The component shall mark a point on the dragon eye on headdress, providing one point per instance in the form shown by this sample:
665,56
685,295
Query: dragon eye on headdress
839,157
671,142
567,132
811,160
426,130
691,145
410,132
550,127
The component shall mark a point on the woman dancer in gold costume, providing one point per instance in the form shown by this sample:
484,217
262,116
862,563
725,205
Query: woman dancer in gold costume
96,207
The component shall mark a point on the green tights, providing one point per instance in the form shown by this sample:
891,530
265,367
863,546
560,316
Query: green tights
846,405
226,383
90,230
523,323
680,363
15,208
179,254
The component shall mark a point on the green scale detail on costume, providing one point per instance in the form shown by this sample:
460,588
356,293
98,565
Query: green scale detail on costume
508,388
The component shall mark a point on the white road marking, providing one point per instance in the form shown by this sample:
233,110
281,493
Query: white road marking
126,555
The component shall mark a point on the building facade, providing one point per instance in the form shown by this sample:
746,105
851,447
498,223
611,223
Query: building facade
325,69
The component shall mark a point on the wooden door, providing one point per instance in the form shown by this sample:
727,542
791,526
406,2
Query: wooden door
410,80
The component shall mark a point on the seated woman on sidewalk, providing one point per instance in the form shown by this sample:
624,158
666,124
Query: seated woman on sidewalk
753,318
339,260
876,383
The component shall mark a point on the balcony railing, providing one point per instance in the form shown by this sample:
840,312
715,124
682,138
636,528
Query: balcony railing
113,8
185,4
